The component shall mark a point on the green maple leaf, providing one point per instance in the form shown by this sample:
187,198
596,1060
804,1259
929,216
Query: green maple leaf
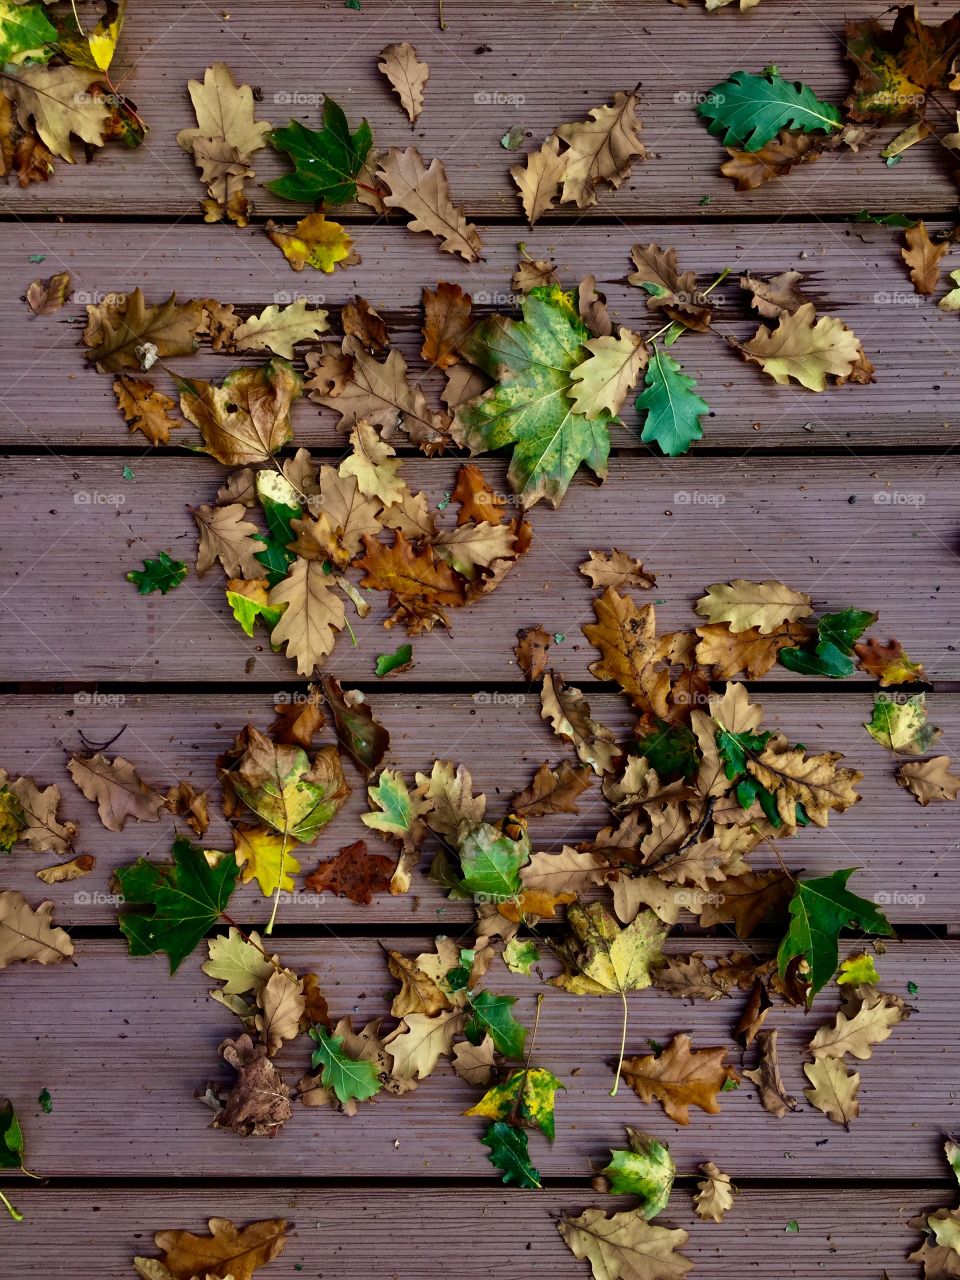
672,407
187,897
493,1015
509,1154
24,28
748,111
645,1170
162,574
491,861
348,1077
530,407
526,1098
819,909
326,162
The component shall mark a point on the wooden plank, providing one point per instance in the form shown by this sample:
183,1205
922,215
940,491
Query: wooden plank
408,1234
122,1047
906,853
536,64
47,398
864,532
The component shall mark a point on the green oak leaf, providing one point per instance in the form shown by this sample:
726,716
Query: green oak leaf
247,610
819,909
645,1170
348,1077
526,1098
326,162
509,1153
670,404
670,749
530,406
733,749
397,810
278,498
491,861
823,659
25,31
187,897
11,1137
885,219
397,661
748,111
493,1015
162,574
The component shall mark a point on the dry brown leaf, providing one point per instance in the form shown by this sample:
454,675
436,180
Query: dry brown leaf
805,348
43,832
425,195
228,1253
923,257
626,639
28,934
44,297
751,169
531,650
602,148
552,791
281,1003
715,1194
676,293
117,789
362,321
418,1043
247,418
888,662
538,180
258,1105
63,872
407,76
225,535
625,1246
872,1023
126,333
61,104
833,1090
777,296
568,871
569,713
679,1078
769,1083
746,899
314,613
418,992
930,780
146,409
420,585
601,384
184,801
446,321
353,874
473,1063
750,652
615,569
742,605
278,329
534,273
477,501
812,781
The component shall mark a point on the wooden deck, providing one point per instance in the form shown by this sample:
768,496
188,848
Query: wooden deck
799,490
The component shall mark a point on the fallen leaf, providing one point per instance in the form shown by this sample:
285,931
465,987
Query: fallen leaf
626,639
61,105
896,69
327,162
615,569
279,329
814,782
420,585
476,499
646,1169
888,662
714,1195
509,1153
313,614
228,1253
569,713
601,148
316,241
669,290
769,1083
922,256
146,409
267,857
474,1063
930,780
751,651
679,1078
129,334
446,321
669,405
27,933
552,791
44,297
225,535
258,1105
359,734
247,418
117,788
63,872
777,296
425,195
418,1043
751,169
531,650
40,829
744,605
184,801
604,380
625,1246
351,1079
526,1098
239,962
804,348
870,1025
833,1090
282,1004
902,726
748,111
407,76
353,874
538,180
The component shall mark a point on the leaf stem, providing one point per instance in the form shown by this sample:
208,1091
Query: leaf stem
276,897
440,18
15,1214
623,1046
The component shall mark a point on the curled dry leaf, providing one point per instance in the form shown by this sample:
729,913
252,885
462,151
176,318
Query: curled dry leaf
227,1253
258,1105
123,332
715,1194
424,194
360,735
28,934
184,801
146,409
247,418
766,1076
76,868
751,169
569,713
117,789
44,297
601,149
38,826
531,650
407,76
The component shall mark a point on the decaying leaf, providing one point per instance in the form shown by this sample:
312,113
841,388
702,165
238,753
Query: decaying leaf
615,569
258,1105
805,348
146,409
715,1194
552,791
569,713
833,1090
316,241
424,194
624,1245
922,256
353,874
531,650
247,418
679,1078
117,789
44,297
930,780
227,1253
766,1076
407,76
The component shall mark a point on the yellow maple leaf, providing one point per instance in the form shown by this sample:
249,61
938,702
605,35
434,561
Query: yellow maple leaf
267,857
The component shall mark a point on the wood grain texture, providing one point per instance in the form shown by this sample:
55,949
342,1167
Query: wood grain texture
844,529
854,272
122,1047
906,852
353,1234
536,64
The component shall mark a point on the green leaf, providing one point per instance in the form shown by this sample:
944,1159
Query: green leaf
247,610
819,909
901,726
348,1078
509,1153
186,898
162,574
646,1170
25,30
531,362
670,749
673,409
491,862
11,1137
733,749
326,162
46,1102
492,1015
845,628
885,219
13,821
526,1098
520,955
952,1150
398,661
825,659
398,810
280,508
858,971
748,111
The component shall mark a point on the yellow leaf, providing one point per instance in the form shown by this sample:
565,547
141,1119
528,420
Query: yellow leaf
804,349
315,241
258,851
